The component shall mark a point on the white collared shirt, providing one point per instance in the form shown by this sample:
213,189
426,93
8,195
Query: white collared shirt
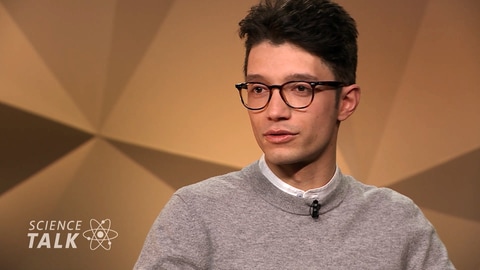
316,193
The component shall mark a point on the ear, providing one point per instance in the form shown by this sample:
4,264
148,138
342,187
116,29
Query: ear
348,102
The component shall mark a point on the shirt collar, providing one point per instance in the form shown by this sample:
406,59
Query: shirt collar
316,193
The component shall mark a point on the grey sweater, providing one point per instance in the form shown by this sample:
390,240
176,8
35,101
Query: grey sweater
241,221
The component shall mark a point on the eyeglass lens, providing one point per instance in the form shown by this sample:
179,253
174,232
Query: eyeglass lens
295,94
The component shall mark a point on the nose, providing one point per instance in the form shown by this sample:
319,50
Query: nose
277,109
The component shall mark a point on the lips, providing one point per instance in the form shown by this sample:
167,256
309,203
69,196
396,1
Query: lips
279,136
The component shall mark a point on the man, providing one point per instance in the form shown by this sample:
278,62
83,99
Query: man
294,209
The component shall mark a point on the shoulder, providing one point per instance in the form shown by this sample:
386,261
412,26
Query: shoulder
395,219
387,213
387,203
213,185
219,186
374,194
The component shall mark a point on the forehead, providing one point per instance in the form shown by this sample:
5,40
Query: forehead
285,61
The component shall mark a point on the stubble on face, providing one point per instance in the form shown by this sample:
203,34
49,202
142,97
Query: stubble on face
293,138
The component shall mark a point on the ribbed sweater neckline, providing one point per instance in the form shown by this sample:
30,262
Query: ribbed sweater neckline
288,203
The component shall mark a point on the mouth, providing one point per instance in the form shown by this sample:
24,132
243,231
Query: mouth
279,136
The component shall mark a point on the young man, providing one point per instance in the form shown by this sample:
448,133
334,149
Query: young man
294,209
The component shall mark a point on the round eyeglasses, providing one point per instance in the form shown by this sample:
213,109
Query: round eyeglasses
296,94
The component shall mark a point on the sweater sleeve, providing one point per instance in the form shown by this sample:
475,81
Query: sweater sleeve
177,240
425,249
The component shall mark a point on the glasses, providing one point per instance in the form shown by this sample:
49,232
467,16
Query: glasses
296,94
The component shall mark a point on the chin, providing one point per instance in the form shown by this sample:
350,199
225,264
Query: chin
283,158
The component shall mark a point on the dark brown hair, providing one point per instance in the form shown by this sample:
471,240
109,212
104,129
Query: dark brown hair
320,27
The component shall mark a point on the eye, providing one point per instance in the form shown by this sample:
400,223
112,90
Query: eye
300,88
258,89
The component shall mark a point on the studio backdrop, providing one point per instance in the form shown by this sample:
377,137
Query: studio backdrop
107,107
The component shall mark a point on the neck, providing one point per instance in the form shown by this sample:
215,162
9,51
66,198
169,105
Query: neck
305,176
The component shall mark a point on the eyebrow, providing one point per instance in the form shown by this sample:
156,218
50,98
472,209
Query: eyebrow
291,77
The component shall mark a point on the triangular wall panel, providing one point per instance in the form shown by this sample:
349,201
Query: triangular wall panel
450,186
29,143
171,168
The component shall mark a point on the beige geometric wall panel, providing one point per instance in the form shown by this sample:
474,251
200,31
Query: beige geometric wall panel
107,107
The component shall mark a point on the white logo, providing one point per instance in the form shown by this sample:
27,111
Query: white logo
100,234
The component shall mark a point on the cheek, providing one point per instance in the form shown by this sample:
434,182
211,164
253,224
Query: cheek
324,113
254,123
324,123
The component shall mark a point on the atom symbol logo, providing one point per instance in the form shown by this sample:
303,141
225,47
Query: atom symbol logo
100,234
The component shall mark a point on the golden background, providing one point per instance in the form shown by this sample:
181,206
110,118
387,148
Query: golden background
107,107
